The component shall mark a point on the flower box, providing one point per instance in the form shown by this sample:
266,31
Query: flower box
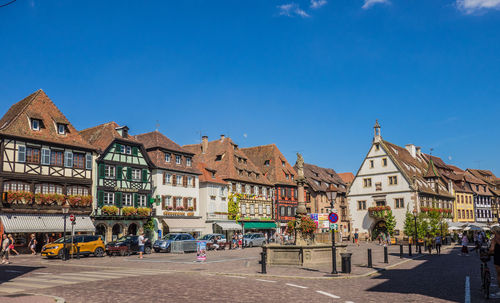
129,211
77,200
144,211
23,197
49,199
379,211
109,210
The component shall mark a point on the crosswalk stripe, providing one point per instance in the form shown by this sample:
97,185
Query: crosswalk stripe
24,284
56,282
10,289
84,279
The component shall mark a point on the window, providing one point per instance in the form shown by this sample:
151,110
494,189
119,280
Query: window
178,159
32,155
282,211
35,124
283,163
266,163
243,209
188,162
109,198
127,199
399,203
247,189
218,157
260,209
109,172
367,182
286,176
16,186
56,158
78,160
213,175
380,203
252,209
61,129
45,156
179,180
21,153
168,201
384,161
88,161
238,188
371,164
68,159
190,202
377,147
268,209
361,205
76,190
168,178
167,157
136,174
393,180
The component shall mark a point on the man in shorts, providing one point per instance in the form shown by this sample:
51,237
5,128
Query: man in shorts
141,243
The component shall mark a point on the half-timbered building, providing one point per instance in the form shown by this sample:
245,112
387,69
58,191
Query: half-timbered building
122,181
44,164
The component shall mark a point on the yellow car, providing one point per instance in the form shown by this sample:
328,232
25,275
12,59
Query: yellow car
89,245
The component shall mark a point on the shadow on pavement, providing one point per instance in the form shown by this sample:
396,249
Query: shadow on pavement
9,272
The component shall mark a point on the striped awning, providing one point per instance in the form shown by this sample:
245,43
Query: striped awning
185,225
23,223
230,225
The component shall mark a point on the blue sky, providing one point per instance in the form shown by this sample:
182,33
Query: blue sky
310,76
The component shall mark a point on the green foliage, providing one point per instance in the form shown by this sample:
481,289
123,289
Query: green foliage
429,222
390,222
233,206
149,225
409,226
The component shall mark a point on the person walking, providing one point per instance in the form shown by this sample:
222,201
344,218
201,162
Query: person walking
5,249
495,251
428,243
141,243
32,244
438,240
465,243
356,237
11,245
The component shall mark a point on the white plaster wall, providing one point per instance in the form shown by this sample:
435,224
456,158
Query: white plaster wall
176,191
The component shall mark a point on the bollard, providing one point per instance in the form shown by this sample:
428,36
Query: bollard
262,262
401,251
420,249
386,256
78,252
370,258
409,249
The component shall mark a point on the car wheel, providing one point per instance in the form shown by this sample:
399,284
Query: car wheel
157,250
250,244
99,252
147,250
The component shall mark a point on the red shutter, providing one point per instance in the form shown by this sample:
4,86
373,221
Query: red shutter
194,181
194,203
174,180
185,202
164,178
174,202
184,181
163,200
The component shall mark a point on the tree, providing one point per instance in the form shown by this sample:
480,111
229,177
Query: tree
409,226
390,222
233,206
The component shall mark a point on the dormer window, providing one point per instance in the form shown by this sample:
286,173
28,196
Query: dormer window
283,163
188,162
266,163
167,157
61,129
218,158
177,159
35,124
213,175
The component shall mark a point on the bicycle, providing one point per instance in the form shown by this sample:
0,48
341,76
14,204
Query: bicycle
485,272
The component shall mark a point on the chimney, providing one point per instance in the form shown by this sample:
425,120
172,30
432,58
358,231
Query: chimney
222,138
122,131
204,144
419,151
411,149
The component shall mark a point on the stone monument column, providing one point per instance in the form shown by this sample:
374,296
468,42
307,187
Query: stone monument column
301,208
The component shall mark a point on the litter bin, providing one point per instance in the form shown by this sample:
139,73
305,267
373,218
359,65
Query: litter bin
346,262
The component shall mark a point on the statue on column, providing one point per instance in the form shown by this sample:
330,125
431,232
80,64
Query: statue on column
300,166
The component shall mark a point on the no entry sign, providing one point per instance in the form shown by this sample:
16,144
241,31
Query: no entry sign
333,218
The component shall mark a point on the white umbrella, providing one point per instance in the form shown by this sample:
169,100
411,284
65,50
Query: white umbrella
454,228
473,228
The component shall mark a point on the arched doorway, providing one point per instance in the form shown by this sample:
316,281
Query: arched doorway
100,230
116,231
378,228
132,229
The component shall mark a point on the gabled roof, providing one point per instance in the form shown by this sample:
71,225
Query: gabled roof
16,122
101,136
320,178
229,161
485,176
431,170
346,177
207,176
275,171
154,140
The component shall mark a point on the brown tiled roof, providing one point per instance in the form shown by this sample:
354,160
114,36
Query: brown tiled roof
206,175
477,185
101,136
488,177
346,177
157,143
324,176
275,171
229,165
16,122
431,170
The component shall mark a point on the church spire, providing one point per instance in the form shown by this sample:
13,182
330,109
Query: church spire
377,137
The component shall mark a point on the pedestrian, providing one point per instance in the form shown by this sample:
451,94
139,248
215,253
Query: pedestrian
465,243
356,237
32,244
11,245
495,251
438,240
141,243
240,240
5,249
428,243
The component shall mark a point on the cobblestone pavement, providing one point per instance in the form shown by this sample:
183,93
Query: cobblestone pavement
230,276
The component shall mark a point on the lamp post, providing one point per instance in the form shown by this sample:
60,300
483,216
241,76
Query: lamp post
416,230
65,210
332,194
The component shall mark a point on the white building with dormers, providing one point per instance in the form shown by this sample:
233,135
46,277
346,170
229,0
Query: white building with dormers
402,179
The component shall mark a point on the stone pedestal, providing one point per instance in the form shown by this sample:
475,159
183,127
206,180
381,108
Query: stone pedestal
303,255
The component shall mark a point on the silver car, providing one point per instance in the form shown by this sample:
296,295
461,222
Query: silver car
254,239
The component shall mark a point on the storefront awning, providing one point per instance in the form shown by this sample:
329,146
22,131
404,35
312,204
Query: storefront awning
185,225
259,225
229,225
21,223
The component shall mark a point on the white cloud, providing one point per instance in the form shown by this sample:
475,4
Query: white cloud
474,6
369,3
291,10
317,3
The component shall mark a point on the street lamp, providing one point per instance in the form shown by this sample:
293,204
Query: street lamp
65,210
416,230
332,194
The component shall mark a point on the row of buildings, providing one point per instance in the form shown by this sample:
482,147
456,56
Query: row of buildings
404,179
116,183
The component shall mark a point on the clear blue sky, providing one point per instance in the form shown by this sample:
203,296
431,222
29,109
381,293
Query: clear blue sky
308,76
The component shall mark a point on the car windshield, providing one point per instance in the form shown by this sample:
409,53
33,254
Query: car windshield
205,237
123,239
170,237
61,240
248,235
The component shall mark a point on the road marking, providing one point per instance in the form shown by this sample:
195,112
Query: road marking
42,273
467,289
57,282
349,302
327,294
262,280
294,285
239,277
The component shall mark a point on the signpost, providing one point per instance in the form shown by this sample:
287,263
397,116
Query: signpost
333,218
73,222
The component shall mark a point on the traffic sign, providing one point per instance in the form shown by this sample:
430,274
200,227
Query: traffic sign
333,218
334,226
72,217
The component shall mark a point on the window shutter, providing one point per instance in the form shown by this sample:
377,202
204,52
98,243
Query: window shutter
136,200
144,175
68,159
45,156
129,173
21,153
118,199
134,150
162,202
185,202
148,201
88,162
164,178
194,181
174,180
119,172
100,198
184,181
174,202
101,170
118,148
194,203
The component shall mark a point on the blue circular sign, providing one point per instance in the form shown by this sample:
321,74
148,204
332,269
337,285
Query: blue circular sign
333,218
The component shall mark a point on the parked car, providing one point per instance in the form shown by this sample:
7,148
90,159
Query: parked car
209,239
254,239
165,243
88,244
126,246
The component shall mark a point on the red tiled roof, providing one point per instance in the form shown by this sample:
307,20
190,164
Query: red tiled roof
206,175
346,177
158,140
275,171
324,177
16,122
101,136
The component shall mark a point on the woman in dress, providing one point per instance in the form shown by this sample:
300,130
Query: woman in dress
32,244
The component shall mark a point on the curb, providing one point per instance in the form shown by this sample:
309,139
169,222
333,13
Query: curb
56,298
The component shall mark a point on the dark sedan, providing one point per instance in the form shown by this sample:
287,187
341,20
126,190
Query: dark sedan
126,246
